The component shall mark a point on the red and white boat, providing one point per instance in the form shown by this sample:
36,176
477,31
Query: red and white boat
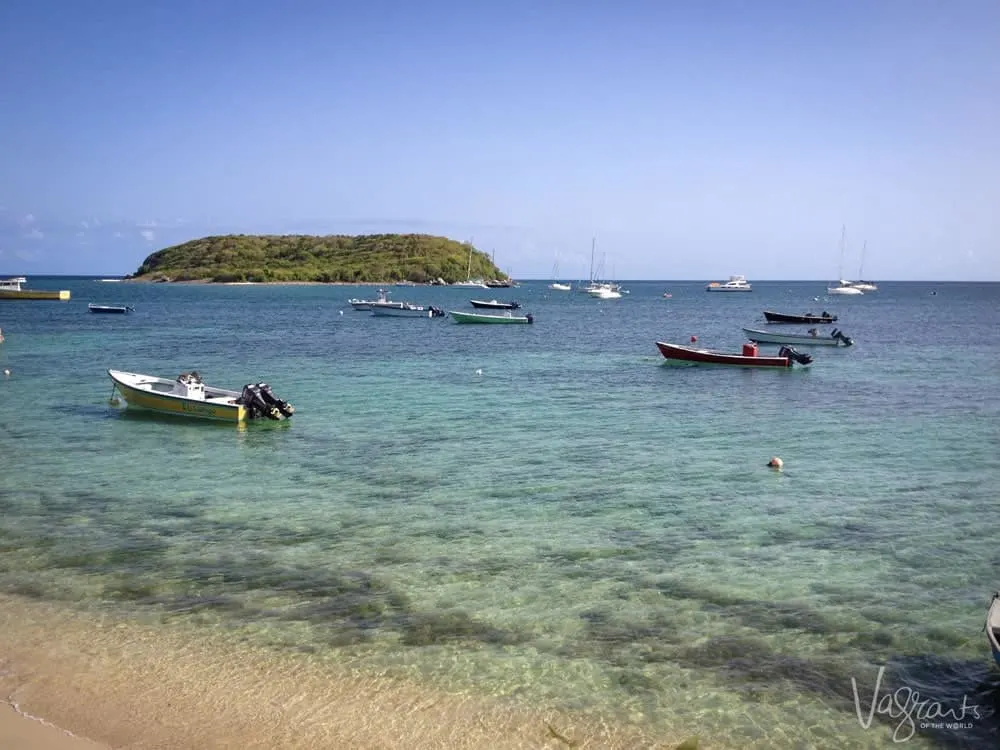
749,357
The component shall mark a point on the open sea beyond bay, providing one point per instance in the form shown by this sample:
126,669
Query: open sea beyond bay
543,517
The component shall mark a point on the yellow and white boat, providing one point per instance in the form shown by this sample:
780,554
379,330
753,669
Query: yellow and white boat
188,396
11,289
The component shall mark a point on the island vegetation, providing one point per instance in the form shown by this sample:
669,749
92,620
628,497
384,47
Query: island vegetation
372,258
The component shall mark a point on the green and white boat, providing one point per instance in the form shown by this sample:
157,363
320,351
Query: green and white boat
507,317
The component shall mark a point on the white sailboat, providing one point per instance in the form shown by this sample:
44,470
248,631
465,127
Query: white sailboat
469,281
557,286
864,286
843,287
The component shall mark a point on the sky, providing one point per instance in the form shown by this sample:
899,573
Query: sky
688,139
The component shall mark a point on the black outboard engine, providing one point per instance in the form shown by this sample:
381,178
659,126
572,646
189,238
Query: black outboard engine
261,402
283,406
515,305
530,317
801,357
436,312
838,334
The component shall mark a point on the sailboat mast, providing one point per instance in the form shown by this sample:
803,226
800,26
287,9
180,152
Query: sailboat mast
593,246
840,268
861,268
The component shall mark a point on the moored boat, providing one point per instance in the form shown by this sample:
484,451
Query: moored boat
494,304
188,396
844,288
812,338
993,627
366,304
776,317
865,286
113,309
605,291
748,357
735,284
11,289
507,317
405,310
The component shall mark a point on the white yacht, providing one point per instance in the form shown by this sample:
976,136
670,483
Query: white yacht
735,284
844,287
605,291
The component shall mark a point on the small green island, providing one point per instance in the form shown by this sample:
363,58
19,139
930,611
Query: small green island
346,259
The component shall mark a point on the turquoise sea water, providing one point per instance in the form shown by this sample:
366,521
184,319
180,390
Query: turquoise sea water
578,525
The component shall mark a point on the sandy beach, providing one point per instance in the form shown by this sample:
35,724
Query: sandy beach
132,686
18,732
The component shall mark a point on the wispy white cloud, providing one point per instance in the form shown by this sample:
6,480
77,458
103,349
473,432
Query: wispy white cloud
148,234
117,235
81,234
34,234
27,220
151,224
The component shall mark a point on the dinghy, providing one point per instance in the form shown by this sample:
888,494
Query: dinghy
688,355
508,317
188,396
494,304
119,309
777,317
812,338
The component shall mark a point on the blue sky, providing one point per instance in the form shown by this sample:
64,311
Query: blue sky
693,139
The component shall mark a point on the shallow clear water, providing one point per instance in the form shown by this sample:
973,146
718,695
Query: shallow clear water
579,525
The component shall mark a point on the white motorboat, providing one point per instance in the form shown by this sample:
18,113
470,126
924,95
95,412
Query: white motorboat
812,338
405,310
735,284
366,304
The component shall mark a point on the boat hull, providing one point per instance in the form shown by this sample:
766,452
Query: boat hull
494,305
170,403
392,311
461,317
768,337
108,309
686,355
993,628
844,290
722,288
34,294
776,317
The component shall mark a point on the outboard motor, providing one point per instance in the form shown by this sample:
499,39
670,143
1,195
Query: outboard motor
801,357
257,407
261,402
268,395
838,334
436,312
530,317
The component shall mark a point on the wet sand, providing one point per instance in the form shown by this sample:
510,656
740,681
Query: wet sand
136,686
18,732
